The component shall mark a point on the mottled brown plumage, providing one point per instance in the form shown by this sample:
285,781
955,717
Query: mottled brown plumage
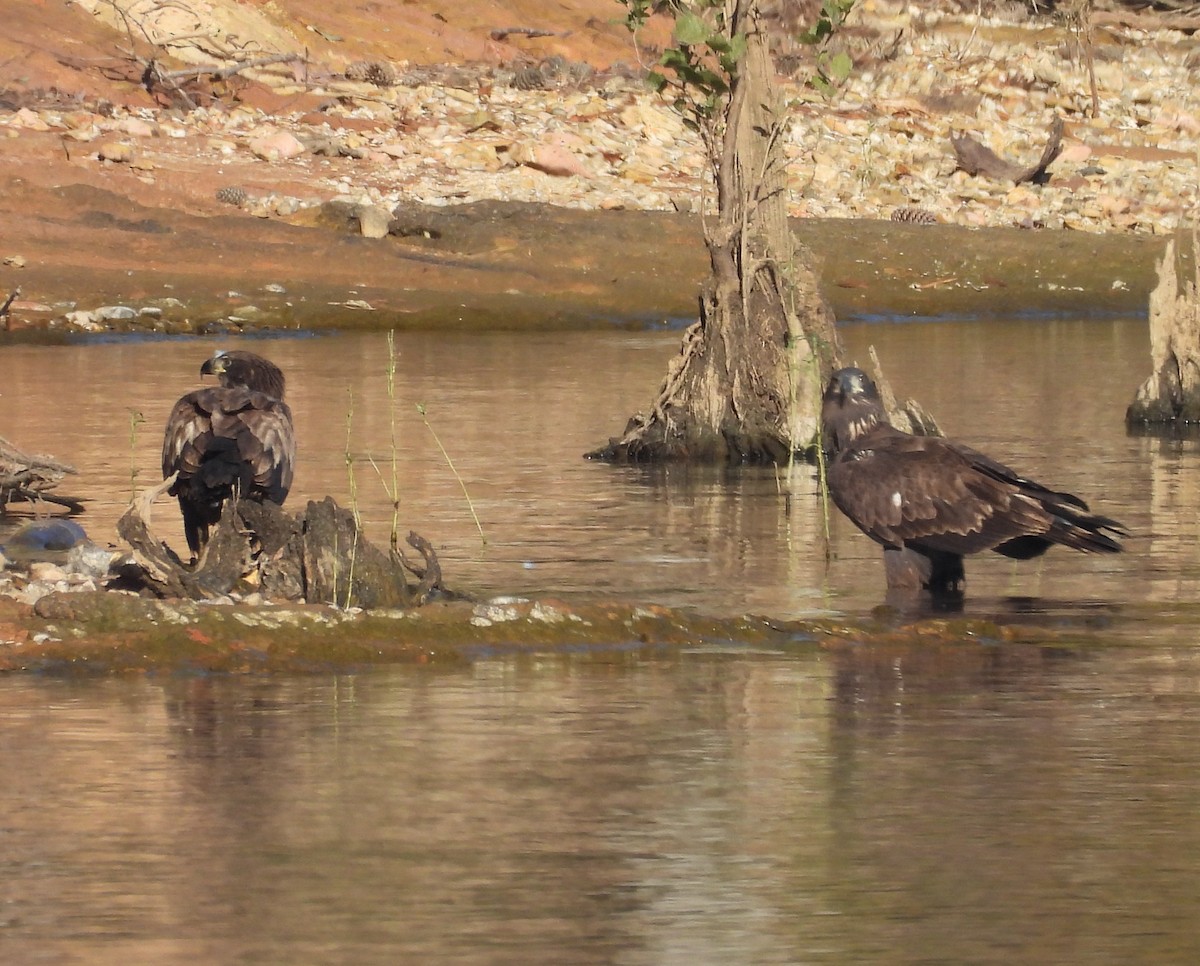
233,438
930,501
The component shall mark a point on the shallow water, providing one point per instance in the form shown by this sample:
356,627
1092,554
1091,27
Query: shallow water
515,412
964,803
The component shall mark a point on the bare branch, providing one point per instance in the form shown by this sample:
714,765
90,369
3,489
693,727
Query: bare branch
13,296
975,158
221,73
503,33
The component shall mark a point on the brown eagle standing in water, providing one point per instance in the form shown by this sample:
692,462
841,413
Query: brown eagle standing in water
235,438
930,501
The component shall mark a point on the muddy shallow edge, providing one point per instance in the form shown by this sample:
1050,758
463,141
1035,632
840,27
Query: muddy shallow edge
538,267
106,633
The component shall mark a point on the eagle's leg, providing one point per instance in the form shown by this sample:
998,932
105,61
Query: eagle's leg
912,570
947,577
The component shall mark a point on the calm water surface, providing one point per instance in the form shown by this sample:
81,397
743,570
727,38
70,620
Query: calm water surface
969,804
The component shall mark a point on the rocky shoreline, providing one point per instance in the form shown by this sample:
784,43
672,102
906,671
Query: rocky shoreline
310,186
564,133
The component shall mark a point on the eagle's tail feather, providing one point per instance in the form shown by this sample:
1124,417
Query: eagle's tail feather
1085,531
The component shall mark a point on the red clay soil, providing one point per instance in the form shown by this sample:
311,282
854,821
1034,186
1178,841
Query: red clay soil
53,43
96,233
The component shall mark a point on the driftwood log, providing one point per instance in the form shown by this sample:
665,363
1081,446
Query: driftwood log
1186,20
503,33
319,556
1170,397
28,478
977,159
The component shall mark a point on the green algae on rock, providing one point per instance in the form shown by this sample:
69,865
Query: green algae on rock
105,632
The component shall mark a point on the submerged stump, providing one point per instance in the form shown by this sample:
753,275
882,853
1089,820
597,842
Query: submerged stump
318,557
1170,397
908,416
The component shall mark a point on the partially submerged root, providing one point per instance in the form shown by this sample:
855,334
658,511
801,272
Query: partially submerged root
319,557
656,436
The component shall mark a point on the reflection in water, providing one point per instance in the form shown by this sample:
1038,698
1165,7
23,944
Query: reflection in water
980,802
959,804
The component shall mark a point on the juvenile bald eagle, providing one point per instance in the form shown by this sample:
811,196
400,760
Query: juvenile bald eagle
235,438
930,501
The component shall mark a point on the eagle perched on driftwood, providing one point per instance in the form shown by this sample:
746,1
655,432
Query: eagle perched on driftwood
227,440
930,501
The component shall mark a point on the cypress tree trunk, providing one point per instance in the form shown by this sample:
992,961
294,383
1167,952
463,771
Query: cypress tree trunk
1170,396
747,383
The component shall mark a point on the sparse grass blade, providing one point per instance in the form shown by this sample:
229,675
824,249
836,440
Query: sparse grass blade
135,421
454,470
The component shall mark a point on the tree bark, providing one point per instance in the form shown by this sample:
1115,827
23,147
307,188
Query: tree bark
1170,396
747,383
319,557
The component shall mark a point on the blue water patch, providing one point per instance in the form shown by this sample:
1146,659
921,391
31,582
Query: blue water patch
649,323
658,323
1032,315
126,338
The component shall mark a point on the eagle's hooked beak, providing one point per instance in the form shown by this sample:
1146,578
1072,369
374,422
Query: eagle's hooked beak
850,382
214,366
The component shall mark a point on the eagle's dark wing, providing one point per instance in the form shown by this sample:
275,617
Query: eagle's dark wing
926,492
244,427
221,439
188,421
1005,474
266,445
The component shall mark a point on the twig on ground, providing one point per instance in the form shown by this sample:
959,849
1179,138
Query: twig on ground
431,576
223,73
503,33
27,477
12,297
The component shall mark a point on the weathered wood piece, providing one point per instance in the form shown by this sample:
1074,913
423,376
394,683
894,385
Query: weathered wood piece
319,557
909,416
1171,394
977,159
28,478
7,306
503,33
744,385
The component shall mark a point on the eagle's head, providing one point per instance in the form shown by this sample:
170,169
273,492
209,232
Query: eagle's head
850,407
245,370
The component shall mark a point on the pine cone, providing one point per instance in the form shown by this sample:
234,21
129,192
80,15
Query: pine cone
232,194
528,79
909,215
554,69
377,72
